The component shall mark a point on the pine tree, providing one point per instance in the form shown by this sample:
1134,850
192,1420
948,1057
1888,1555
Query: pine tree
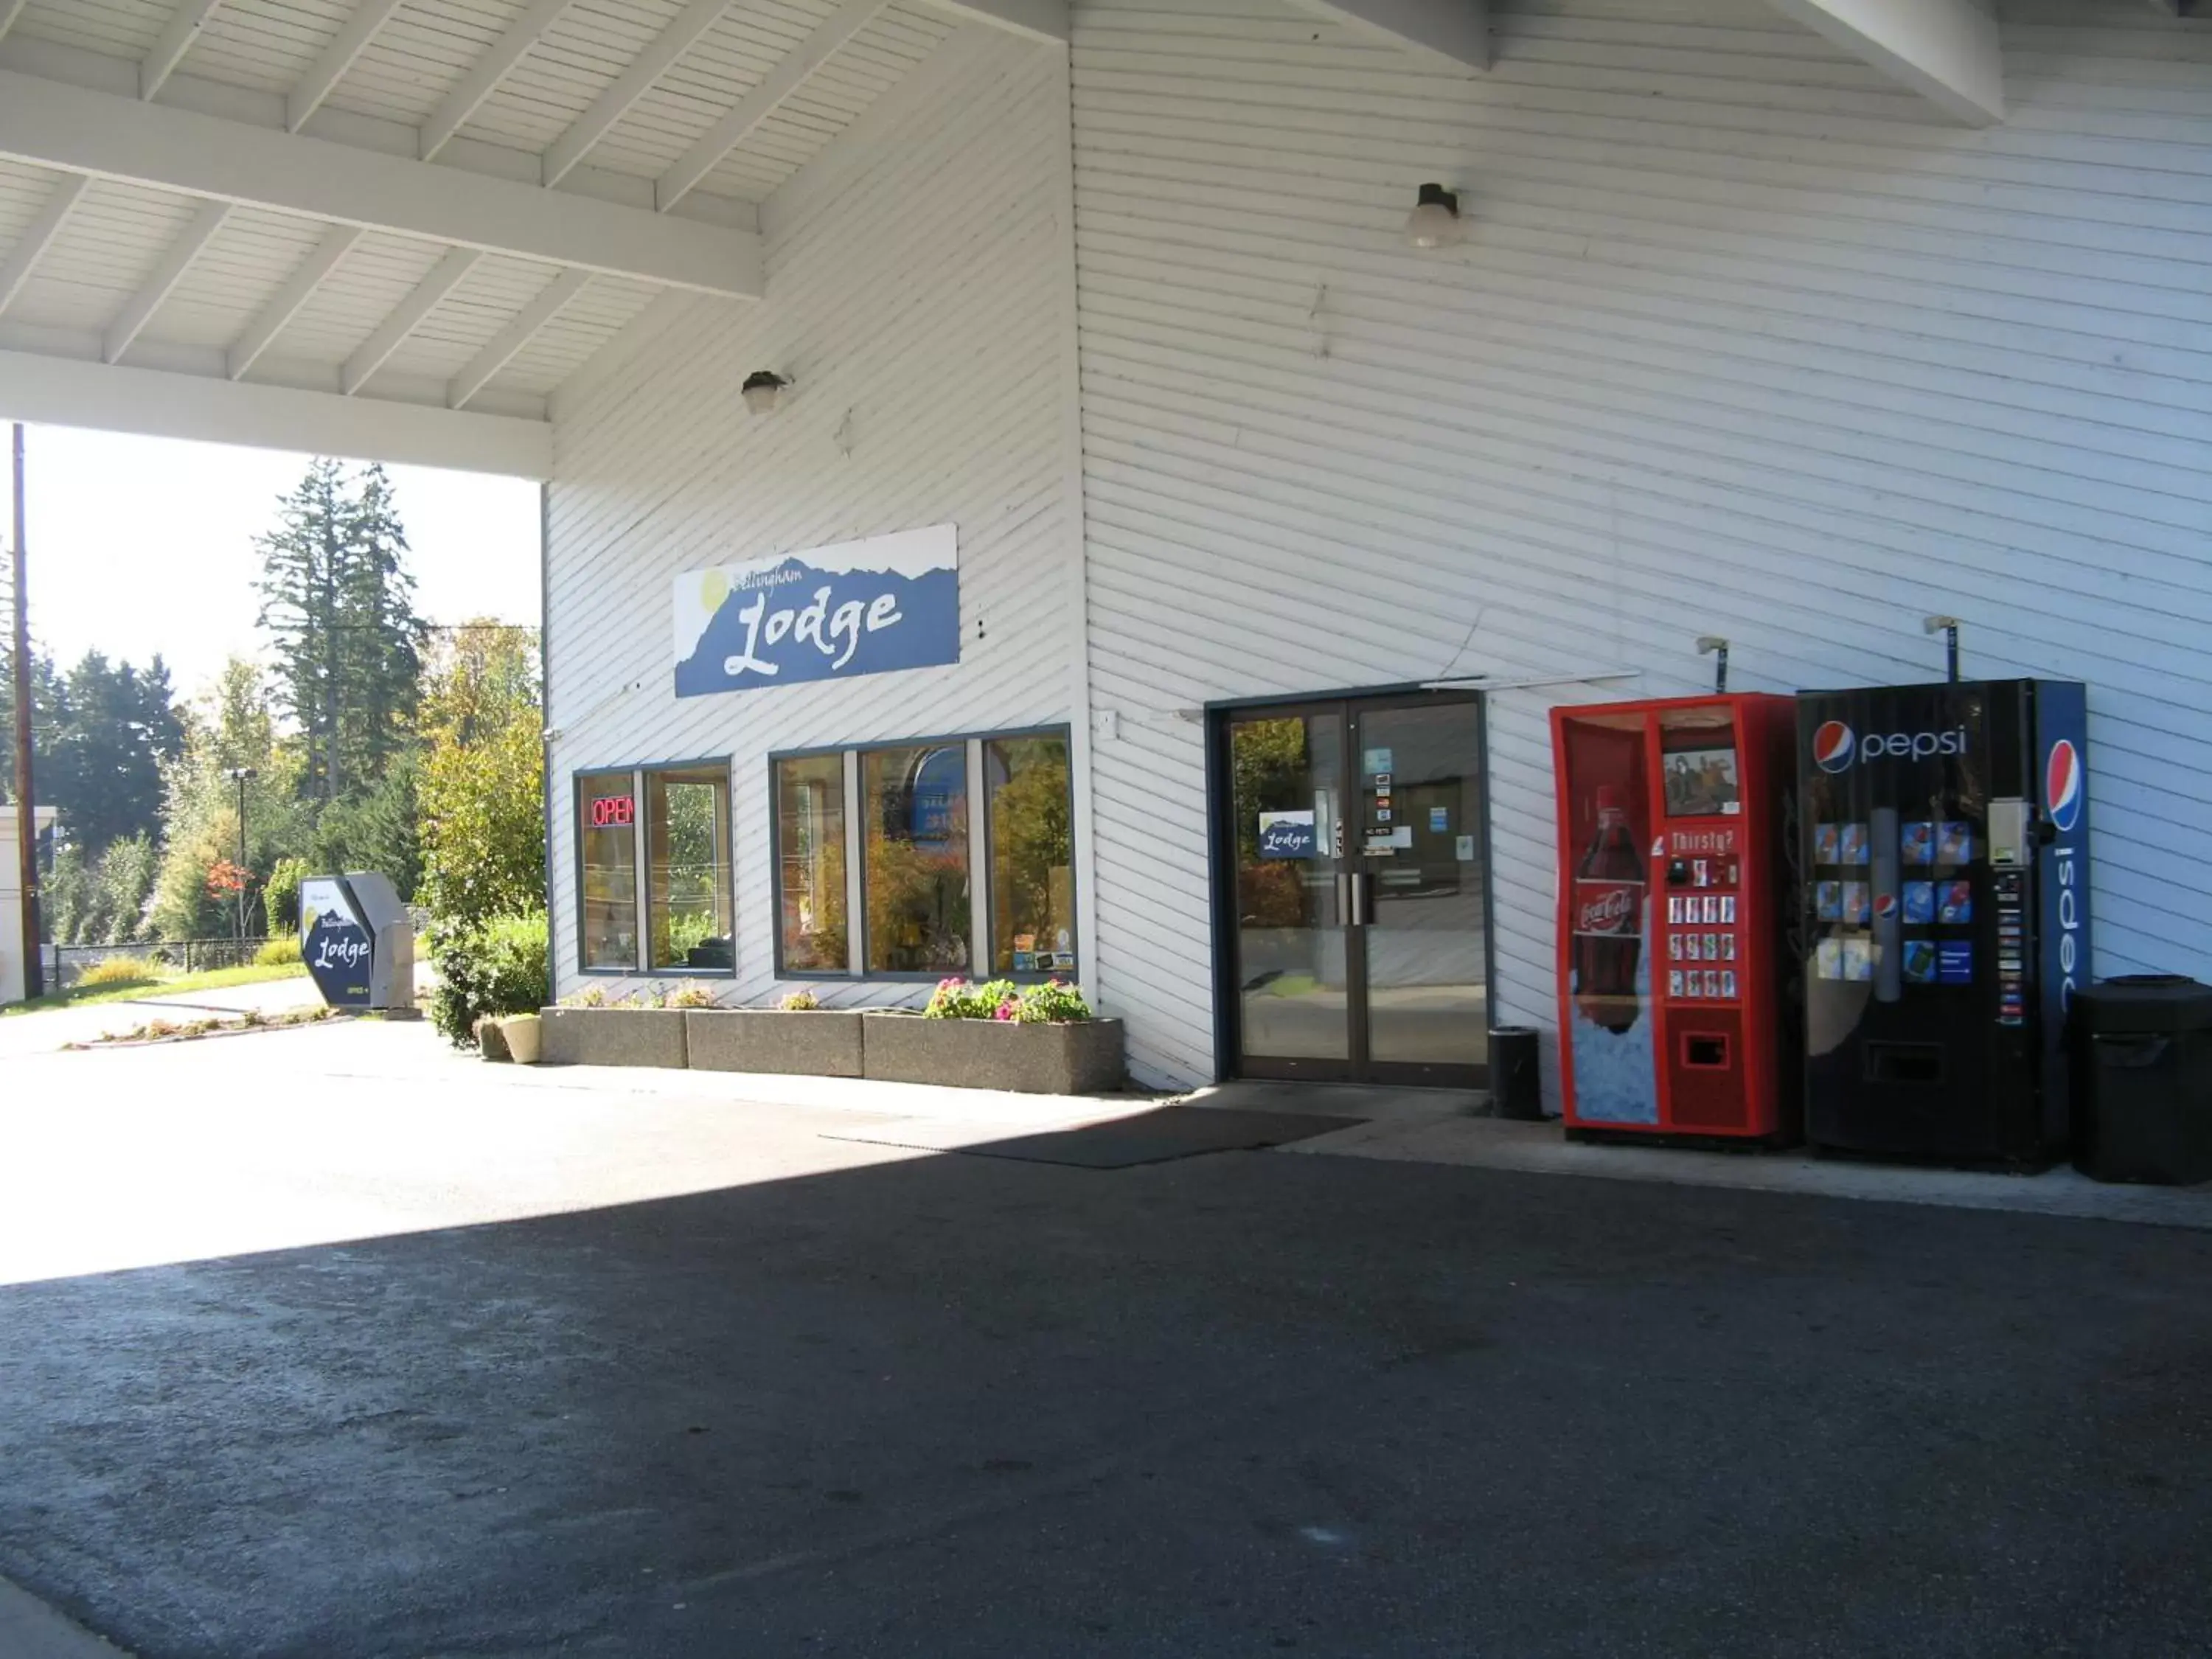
337,604
382,639
99,760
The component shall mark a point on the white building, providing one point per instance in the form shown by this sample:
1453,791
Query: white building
12,959
1793,321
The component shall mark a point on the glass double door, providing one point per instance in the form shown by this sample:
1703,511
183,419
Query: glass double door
1357,919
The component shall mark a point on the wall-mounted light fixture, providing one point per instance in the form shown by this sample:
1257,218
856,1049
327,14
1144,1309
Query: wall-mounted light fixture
1435,221
1714,645
1949,628
763,390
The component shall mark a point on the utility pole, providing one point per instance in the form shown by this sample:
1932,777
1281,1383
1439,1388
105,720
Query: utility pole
241,775
27,815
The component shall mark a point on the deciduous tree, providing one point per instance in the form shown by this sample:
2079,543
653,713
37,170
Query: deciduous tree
482,789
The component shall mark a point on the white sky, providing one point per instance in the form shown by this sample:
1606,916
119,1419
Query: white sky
146,544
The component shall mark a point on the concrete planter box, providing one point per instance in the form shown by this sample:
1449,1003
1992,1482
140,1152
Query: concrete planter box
611,1036
817,1041
1082,1058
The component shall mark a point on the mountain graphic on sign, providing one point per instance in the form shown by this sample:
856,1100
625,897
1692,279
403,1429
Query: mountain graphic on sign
926,632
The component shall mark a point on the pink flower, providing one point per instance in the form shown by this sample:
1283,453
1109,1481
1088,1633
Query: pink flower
1009,1009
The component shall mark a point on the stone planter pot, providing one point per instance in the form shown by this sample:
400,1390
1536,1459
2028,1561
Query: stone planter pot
1082,1058
523,1033
612,1037
816,1041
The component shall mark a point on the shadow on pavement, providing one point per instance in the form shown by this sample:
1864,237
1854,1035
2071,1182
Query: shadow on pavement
1232,1404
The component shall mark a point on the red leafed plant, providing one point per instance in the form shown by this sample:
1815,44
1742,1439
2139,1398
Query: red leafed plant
225,880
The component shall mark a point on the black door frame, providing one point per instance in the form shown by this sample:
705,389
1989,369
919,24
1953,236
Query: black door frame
1220,859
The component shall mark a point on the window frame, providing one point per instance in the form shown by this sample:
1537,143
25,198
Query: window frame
981,770
641,848
847,782
980,954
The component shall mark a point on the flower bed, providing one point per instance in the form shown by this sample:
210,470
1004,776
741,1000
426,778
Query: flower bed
1038,1040
585,1036
817,1042
995,1035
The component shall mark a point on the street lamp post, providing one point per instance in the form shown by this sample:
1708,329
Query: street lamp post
241,775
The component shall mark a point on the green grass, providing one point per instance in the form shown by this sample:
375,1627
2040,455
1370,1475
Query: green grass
214,980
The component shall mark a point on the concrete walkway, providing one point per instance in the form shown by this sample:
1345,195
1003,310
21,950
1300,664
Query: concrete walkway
54,1028
29,1629
358,1129
1423,1126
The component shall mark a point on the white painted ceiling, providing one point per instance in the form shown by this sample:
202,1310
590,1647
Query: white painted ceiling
398,66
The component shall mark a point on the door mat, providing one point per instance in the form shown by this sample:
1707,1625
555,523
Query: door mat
1161,1137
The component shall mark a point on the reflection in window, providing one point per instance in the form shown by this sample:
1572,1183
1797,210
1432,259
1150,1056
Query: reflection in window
915,862
607,832
687,846
1032,832
809,841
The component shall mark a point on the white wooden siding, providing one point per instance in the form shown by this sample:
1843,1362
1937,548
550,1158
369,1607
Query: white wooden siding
1741,342
918,300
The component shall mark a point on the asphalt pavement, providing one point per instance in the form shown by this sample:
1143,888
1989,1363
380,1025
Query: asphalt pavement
808,1397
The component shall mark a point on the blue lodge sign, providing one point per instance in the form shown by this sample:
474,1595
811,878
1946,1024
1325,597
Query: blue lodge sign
1288,835
335,943
864,607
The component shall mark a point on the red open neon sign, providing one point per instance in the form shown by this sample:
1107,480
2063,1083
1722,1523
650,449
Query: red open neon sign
614,811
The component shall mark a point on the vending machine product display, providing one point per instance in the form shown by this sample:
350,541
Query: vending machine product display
1673,879
1945,907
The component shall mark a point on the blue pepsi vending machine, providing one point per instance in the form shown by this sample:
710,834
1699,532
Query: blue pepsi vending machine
1945,915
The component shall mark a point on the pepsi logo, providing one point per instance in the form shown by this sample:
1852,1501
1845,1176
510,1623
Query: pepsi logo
2062,784
1833,745
1885,905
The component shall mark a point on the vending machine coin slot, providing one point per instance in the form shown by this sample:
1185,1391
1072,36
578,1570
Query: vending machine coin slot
1918,1063
2009,832
1707,1051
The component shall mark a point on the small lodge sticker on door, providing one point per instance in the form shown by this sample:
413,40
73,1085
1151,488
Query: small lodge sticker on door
1287,836
864,607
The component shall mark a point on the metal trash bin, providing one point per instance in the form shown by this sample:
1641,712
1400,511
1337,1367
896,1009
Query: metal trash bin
2143,1079
1516,1085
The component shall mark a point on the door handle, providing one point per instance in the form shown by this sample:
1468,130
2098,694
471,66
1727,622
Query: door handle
1343,901
1359,911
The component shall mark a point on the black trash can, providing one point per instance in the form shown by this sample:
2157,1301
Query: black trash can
1516,1087
2143,1079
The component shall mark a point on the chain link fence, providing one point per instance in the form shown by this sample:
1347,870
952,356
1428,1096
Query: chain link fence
67,963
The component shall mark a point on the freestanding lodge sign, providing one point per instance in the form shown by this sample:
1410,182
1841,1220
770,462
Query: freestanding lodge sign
335,942
864,607
357,941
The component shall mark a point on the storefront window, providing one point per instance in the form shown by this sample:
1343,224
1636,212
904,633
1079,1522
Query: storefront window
810,843
1032,838
914,863
687,842
607,834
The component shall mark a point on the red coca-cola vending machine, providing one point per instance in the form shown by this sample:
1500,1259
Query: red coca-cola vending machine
1673,892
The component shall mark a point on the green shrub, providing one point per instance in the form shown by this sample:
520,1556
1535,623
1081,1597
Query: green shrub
119,970
496,967
957,999
1053,1004
280,894
692,996
800,1002
278,953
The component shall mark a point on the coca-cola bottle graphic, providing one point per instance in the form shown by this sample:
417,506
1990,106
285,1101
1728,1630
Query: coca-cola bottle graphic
1608,901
